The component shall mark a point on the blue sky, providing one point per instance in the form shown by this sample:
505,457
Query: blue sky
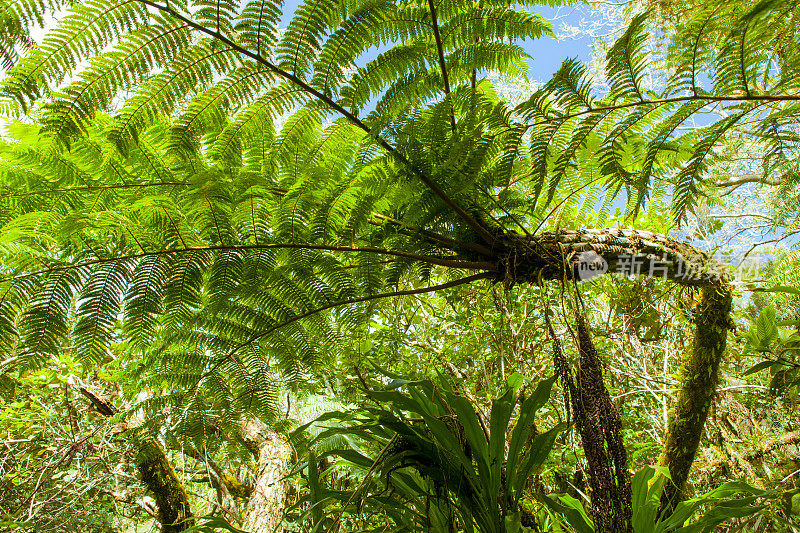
547,53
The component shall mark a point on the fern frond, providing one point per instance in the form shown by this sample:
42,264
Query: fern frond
81,34
45,324
97,311
492,23
374,24
687,180
160,94
626,62
142,50
257,25
304,35
218,15
143,301
182,290
256,120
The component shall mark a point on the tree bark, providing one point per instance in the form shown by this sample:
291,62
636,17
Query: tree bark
264,512
700,376
558,255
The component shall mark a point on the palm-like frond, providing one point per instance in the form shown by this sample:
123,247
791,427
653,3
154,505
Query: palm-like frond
714,68
248,184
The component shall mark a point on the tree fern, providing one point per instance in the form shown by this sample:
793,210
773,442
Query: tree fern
626,62
255,186
86,29
45,323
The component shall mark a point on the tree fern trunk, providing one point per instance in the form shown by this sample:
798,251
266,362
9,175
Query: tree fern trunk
556,255
700,375
264,511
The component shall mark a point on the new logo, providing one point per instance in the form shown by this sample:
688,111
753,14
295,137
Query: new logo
590,265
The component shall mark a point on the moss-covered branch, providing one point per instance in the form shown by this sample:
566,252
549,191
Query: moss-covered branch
160,479
156,473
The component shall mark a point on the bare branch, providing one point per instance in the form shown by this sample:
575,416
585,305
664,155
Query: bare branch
736,181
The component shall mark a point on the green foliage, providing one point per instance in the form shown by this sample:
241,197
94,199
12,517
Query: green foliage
701,514
54,469
635,122
778,347
190,213
439,463
219,205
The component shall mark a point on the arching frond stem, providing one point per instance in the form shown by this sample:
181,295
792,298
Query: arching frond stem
350,301
481,231
96,188
445,262
675,99
440,53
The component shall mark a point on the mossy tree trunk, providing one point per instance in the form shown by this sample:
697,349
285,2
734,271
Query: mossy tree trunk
159,477
700,375
157,474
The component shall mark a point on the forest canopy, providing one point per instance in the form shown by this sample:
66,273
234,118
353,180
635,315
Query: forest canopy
348,265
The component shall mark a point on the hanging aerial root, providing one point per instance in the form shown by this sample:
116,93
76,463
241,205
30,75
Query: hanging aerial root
601,432
600,428
559,256
563,371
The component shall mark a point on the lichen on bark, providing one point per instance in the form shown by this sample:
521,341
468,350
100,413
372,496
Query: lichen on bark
264,512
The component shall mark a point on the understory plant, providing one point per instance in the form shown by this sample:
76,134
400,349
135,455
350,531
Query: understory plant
440,466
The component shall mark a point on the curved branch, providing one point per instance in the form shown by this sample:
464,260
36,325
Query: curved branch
557,255
700,375
736,181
